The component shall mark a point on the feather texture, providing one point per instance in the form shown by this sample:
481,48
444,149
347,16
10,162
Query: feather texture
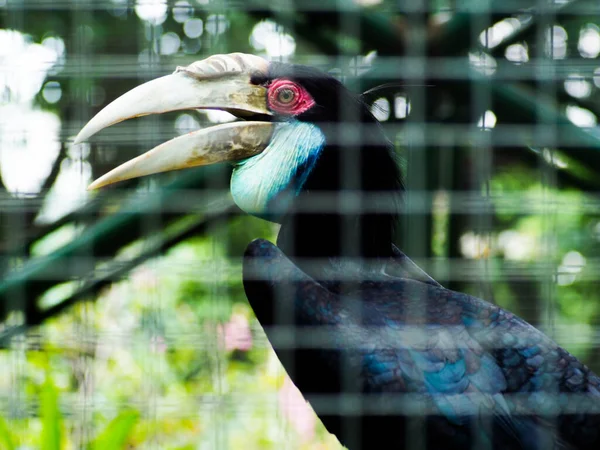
480,375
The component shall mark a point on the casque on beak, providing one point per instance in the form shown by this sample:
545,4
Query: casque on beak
218,82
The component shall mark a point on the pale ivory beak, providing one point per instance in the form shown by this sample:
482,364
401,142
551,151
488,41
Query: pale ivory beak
218,82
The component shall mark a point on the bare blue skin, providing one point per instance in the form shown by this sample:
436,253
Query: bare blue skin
279,172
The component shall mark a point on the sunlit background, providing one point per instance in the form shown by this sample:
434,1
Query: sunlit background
125,324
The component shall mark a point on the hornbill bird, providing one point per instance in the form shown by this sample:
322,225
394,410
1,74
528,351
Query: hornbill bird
387,357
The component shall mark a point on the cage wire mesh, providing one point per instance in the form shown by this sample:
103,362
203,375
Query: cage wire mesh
124,317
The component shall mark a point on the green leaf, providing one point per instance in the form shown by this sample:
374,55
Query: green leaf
51,417
6,440
117,431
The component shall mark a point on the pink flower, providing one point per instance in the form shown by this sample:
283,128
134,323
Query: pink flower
236,333
297,410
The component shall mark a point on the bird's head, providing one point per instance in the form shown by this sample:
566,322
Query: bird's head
292,124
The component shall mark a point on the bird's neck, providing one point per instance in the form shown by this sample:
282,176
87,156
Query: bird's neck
321,238
345,218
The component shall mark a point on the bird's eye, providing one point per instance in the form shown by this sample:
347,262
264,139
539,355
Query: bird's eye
285,95
289,98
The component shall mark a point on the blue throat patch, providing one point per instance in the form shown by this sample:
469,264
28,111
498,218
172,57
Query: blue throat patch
266,184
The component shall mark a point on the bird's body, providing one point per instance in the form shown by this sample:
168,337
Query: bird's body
477,376
387,357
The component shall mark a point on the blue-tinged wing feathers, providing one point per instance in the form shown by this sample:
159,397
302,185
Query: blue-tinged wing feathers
479,367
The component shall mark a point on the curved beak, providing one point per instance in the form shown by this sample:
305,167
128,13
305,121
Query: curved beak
218,82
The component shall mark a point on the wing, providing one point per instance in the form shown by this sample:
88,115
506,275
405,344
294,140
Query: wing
552,398
451,352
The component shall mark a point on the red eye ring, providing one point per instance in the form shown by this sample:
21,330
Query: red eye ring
289,98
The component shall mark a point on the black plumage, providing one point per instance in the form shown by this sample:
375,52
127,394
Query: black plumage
370,326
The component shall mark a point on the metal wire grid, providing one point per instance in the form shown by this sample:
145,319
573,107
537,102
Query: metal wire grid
445,194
